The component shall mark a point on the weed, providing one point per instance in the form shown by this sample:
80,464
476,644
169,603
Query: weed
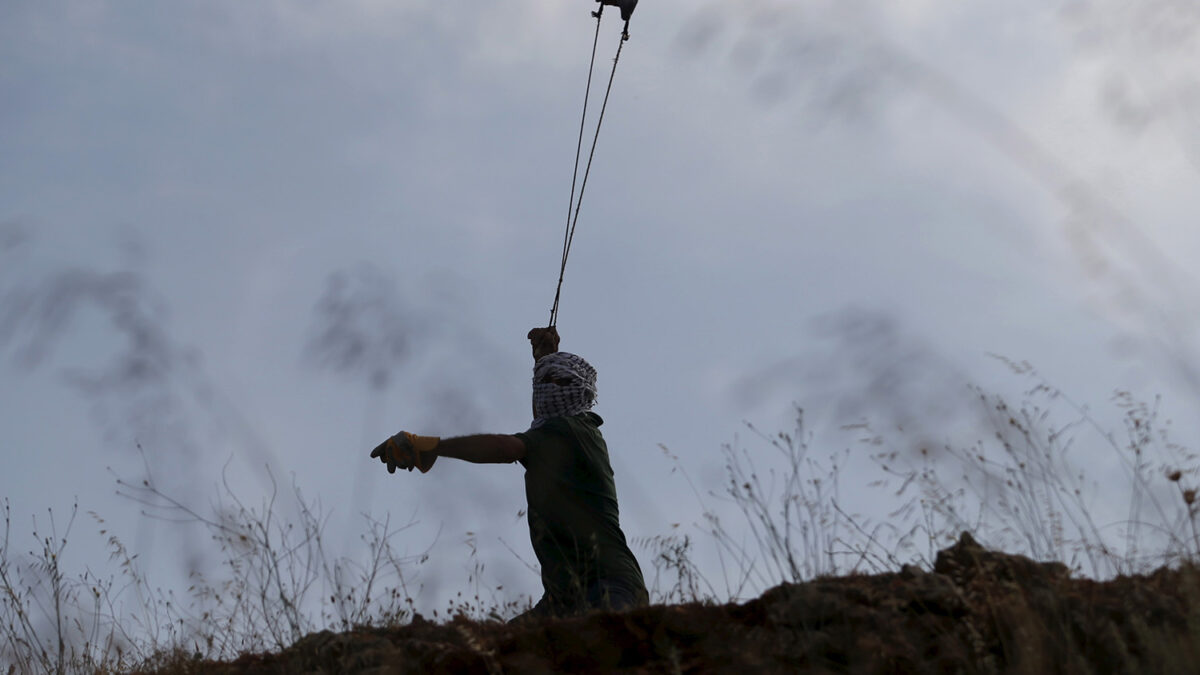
51,622
278,583
1026,488
672,557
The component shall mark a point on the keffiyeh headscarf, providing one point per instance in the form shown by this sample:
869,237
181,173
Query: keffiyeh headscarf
563,385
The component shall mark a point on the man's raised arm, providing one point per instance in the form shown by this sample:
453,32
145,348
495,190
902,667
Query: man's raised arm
544,341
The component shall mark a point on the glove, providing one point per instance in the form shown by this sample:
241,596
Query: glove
405,451
544,341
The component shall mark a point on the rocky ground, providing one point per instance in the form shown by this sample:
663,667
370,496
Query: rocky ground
978,611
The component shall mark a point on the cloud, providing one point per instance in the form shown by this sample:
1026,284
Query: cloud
361,328
867,366
147,388
366,328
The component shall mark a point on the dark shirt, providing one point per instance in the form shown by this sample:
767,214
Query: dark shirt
573,519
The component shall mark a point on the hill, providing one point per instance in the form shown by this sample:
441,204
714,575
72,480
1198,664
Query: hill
977,611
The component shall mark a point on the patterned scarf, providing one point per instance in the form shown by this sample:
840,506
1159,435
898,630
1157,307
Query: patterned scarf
563,385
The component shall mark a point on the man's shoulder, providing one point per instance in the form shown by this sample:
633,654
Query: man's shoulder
566,424
579,427
588,418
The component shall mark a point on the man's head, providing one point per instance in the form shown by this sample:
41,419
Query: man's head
563,385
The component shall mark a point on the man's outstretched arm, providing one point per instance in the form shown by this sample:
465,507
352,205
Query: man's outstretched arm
482,448
409,451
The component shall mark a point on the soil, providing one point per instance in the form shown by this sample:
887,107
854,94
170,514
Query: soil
977,611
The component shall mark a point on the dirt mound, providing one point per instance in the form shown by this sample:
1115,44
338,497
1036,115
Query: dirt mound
979,611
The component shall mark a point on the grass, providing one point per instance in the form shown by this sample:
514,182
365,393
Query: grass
277,582
779,517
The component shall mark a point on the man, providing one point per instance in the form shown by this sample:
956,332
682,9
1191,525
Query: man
573,518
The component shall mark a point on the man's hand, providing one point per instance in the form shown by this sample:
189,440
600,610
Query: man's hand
544,341
406,451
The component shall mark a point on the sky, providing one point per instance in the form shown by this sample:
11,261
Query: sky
254,239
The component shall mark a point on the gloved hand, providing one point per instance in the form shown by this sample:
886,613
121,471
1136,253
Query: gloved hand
544,341
405,451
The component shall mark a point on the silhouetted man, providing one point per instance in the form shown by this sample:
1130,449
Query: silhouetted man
573,517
